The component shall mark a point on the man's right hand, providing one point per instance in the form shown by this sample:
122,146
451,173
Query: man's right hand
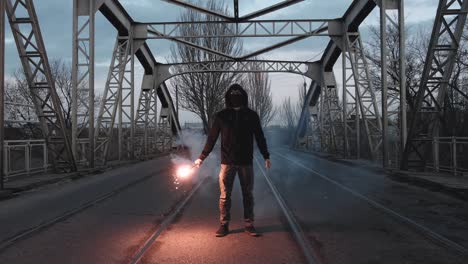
198,163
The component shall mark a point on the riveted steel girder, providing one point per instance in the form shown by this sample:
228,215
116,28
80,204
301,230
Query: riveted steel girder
236,17
330,116
426,120
360,89
308,69
246,29
308,112
30,44
146,120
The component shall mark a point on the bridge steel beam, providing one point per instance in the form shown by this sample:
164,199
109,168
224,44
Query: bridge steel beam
308,110
83,76
391,105
330,115
393,94
2,89
146,121
84,12
167,71
359,97
246,29
121,20
426,119
31,49
117,102
236,17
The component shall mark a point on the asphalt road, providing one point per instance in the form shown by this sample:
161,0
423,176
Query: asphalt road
191,238
347,229
106,232
340,226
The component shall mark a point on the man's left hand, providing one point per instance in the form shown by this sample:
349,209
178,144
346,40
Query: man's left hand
267,163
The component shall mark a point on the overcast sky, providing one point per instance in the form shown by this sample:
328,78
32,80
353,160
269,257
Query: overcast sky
55,17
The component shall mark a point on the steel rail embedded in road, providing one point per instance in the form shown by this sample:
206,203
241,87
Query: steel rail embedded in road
4,244
295,227
167,221
422,229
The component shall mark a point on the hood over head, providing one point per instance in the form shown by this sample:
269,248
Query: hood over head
236,96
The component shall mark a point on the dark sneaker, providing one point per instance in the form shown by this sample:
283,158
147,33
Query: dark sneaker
251,231
222,231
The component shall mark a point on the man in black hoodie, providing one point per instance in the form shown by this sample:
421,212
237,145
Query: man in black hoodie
237,124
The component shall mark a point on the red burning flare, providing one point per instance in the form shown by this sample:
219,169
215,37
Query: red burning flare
184,171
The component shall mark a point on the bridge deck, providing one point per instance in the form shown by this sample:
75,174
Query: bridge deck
344,212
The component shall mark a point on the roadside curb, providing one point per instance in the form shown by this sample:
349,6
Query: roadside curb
5,194
400,176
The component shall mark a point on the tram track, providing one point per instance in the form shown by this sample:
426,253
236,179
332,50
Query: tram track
168,220
296,229
423,230
23,234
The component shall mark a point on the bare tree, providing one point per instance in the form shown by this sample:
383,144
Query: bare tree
414,61
416,52
290,112
258,87
203,93
20,100
62,74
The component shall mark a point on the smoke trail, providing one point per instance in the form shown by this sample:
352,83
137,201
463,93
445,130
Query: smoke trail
194,140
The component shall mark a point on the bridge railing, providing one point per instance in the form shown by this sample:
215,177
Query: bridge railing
24,157
455,162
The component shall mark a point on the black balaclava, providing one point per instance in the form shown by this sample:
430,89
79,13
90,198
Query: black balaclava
236,98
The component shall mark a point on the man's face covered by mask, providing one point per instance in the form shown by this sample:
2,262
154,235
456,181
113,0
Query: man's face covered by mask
236,98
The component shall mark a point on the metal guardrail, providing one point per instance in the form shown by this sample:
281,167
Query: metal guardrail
456,161
24,157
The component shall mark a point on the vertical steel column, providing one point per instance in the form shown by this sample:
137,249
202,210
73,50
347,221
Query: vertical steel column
33,55
391,100
120,100
366,103
402,49
344,101
431,102
92,40
115,99
83,76
126,104
108,108
2,88
141,122
132,96
331,114
144,117
384,70
153,117
351,99
75,69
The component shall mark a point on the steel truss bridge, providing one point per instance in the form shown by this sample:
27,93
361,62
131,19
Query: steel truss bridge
361,121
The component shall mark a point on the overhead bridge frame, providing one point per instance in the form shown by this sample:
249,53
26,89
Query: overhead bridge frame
342,120
236,17
167,71
118,107
244,29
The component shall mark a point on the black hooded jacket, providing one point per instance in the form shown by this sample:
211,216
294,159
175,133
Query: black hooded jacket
237,128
